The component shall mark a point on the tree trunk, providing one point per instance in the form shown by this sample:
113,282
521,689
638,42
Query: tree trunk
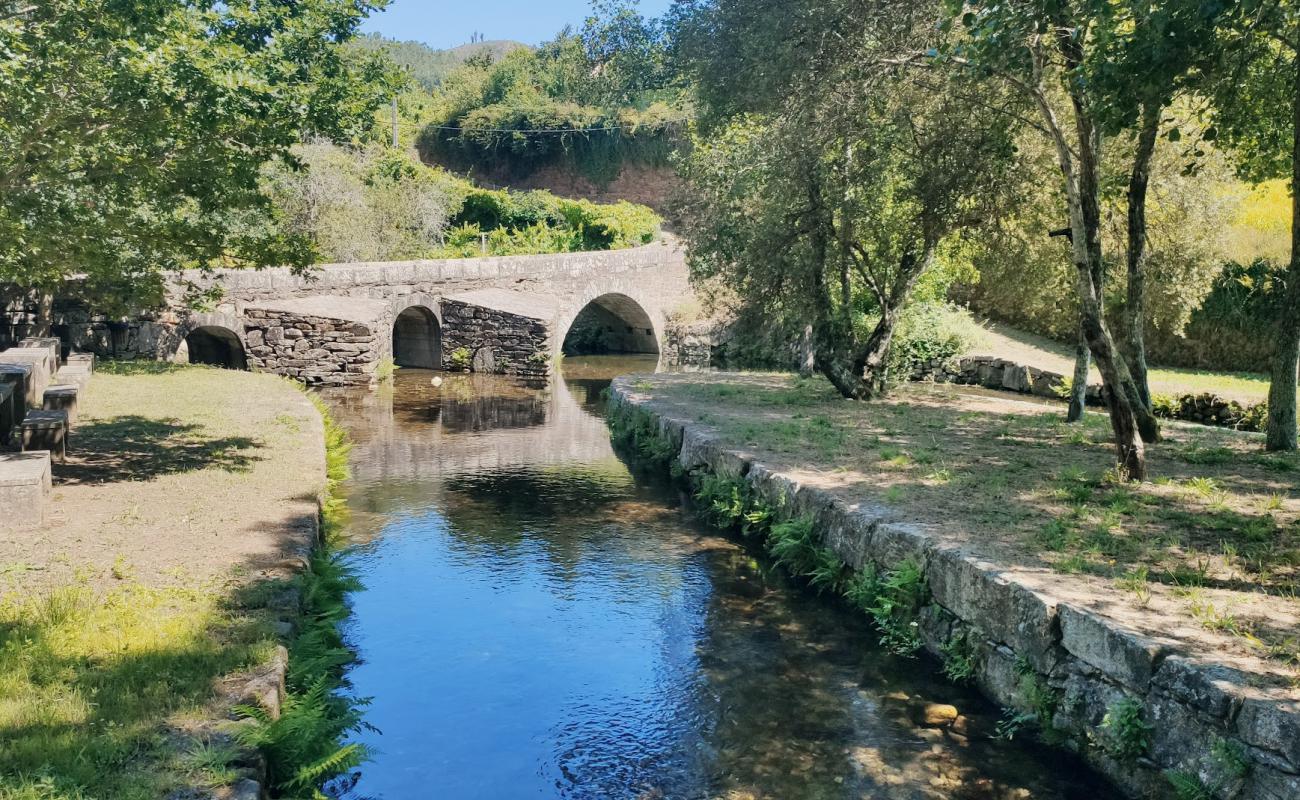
1085,219
807,353
1079,384
1281,431
1132,343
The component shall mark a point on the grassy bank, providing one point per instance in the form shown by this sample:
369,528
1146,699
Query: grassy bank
1211,546
133,621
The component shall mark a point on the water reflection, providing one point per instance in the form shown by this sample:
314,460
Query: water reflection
542,622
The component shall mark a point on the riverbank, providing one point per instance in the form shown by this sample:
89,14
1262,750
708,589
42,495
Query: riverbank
158,594
1172,605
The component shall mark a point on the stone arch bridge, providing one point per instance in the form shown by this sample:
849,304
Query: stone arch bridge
508,315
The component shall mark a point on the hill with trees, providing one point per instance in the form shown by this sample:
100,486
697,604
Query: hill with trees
427,66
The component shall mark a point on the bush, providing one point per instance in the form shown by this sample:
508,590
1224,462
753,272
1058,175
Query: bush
929,331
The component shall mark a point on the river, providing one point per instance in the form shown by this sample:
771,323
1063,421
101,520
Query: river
541,620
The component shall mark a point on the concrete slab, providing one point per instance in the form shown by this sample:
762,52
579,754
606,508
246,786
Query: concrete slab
19,376
42,370
46,430
24,489
63,397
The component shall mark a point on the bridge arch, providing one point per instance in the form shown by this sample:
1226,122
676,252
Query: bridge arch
417,337
611,323
215,345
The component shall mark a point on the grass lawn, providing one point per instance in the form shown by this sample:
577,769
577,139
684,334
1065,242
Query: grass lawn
122,617
1211,545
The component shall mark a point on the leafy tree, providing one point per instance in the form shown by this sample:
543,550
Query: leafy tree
825,197
1256,95
133,132
1093,68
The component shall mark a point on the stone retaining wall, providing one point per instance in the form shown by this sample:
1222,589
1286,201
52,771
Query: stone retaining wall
494,341
315,350
996,373
1029,645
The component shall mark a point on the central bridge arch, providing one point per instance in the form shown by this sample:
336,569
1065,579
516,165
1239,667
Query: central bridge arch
611,323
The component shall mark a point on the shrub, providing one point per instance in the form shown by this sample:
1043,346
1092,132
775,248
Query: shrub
930,331
1124,735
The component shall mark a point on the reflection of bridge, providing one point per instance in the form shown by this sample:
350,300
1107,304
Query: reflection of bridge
508,315
420,433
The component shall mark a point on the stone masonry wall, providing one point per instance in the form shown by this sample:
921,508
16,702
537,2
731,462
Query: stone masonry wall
494,341
1031,648
690,345
997,373
315,350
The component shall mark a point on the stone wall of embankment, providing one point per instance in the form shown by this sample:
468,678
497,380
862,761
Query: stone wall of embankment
1056,659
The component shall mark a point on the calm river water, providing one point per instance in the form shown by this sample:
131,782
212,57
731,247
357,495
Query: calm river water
542,621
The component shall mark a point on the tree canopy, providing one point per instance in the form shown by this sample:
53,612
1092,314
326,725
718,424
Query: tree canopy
133,132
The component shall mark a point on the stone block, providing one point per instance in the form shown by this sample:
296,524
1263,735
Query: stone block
24,489
74,374
63,397
1272,724
85,359
1125,656
8,417
52,344
19,378
46,430
1015,378
40,374
1211,689
1010,613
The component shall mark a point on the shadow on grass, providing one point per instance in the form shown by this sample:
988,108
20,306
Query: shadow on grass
120,694
136,448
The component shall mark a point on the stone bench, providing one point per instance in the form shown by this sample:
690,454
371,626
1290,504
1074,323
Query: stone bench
24,489
51,344
63,397
85,359
19,377
8,412
78,374
42,370
46,430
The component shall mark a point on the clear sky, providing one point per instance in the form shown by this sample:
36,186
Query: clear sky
447,23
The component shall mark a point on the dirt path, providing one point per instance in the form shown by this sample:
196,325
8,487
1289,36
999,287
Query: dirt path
1003,341
176,475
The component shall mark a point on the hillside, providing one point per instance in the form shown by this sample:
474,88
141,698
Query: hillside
429,66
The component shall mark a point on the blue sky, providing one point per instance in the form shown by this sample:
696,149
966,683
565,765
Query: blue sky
447,23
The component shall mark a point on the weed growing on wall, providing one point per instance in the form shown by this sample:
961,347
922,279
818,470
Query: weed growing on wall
1124,734
304,747
636,431
958,655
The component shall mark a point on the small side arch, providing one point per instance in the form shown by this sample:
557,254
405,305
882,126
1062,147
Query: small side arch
417,338
611,323
215,345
